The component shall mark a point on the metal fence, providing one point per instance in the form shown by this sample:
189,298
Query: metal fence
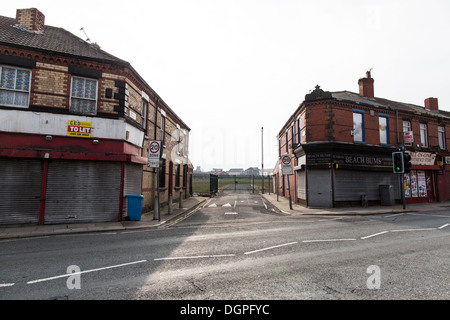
206,184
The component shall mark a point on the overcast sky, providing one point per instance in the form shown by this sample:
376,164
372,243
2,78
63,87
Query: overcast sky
230,67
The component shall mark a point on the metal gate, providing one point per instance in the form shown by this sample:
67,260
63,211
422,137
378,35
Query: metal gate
20,191
82,191
319,188
132,183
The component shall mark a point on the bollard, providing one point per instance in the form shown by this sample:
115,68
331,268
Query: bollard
170,204
156,209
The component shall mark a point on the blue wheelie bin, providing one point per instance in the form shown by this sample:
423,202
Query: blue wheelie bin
134,207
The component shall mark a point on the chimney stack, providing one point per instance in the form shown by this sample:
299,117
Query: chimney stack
31,19
431,104
366,86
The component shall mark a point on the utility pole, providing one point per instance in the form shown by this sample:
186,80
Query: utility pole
262,159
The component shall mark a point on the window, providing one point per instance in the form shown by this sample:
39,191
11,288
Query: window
83,97
299,139
407,128
384,128
177,176
441,136
292,133
358,126
144,115
279,147
423,135
14,86
163,127
287,141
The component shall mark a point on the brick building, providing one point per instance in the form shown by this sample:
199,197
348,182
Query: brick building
341,144
75,124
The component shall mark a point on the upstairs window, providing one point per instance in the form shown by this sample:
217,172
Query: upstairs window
358,126
14,86
384,129
83,98
441,136
424,135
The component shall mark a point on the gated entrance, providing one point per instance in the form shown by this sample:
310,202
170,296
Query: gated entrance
206,184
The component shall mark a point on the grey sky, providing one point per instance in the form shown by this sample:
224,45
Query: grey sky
230,67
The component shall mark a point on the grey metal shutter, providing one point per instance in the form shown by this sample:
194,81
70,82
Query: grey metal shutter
20,191
349,185
132,183
82,191
301,184
319,188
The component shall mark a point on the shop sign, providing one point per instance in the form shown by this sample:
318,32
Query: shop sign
423,158
408,137
79,129
350,159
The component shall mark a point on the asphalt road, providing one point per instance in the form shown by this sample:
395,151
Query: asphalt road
237,246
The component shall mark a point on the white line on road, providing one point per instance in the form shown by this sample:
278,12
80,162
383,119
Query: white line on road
3,285
328,240
444,226
279,246
231,213
196,257
235,202
374,235
265,205
423,229
87,271
393,215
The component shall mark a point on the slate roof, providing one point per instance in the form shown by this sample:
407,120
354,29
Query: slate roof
382,103
52,39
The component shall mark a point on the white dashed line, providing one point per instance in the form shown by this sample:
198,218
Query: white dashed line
374,235
269,248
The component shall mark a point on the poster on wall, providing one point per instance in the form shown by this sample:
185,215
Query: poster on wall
407,185
422,183
413,182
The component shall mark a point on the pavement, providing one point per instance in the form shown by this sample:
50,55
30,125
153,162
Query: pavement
190,205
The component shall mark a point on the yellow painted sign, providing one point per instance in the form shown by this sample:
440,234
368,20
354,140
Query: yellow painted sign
79,129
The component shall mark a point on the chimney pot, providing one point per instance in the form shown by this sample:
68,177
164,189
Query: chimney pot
431,104
31,19
366,86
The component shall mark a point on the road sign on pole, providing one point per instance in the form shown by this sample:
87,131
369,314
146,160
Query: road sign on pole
154,153
286,164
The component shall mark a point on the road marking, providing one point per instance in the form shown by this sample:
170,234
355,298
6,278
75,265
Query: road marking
444,226
428,215
393,215
227,205
87,271
212,205
278,246
328,240
196,257
265,205
406,230
374,235
235,202
6,285
230,213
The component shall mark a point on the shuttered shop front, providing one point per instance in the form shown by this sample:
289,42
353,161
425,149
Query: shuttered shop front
20,191
82,191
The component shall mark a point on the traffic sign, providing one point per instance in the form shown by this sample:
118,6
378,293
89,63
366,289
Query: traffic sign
154,153
286,164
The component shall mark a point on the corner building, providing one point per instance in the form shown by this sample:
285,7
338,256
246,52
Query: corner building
75,124
342,142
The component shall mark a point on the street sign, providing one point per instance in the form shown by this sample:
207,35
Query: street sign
286,164
154,153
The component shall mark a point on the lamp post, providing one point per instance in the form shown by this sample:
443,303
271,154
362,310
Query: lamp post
262,159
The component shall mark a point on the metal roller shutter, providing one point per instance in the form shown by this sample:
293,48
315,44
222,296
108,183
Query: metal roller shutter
132,183
82,191
349,185
319,188
20,191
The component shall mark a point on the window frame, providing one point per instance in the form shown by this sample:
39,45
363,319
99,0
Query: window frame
363,131
88,99
441,137
15,83
423,134
409,127
386,117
